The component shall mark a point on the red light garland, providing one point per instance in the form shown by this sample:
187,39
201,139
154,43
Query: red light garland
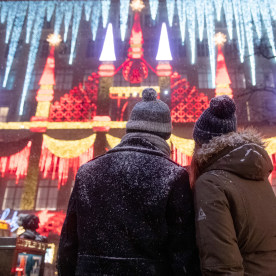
16,164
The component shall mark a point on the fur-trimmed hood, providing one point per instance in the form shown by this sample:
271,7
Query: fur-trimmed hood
240,152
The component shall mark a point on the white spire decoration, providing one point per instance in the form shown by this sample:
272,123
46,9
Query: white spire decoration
164,51
108,51
124,9
153,8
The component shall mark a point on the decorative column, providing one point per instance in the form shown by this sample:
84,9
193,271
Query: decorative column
222,77
164,69
106,72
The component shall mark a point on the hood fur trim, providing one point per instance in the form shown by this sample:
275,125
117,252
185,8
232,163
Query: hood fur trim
231,140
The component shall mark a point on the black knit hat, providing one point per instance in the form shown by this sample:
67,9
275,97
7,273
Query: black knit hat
150,115
218,119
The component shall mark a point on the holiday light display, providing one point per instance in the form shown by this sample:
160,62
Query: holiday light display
10,20
96,12
124,9
16,164
259,13
137,5
32,6
67,19
105,11
228,11
108,51
170,10
200,18
190,10
182,18
164,51
88,9
17,28
38,25
58,157
187,103
153,8
75,28
222,77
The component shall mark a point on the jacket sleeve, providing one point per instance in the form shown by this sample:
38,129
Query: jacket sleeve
180,220
68,245
215,232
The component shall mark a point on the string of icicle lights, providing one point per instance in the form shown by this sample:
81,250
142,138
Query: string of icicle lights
252,19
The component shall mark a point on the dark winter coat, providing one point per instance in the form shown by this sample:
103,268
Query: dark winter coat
235,207
130,213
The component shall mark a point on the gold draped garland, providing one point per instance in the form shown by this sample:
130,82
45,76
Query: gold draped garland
112,141
186,146
68,148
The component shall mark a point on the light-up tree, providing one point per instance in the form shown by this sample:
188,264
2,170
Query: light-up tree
222,77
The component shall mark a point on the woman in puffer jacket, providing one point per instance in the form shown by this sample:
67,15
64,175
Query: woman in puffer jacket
234,202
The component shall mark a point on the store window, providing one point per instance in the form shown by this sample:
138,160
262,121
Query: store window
4,113
205,79
13,193
64,79
237,79
47,194
202,48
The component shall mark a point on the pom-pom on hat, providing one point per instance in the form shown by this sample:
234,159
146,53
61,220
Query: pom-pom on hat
219,118
150,115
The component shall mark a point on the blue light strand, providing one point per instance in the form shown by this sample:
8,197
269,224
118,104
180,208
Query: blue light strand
272,6
96,12
32,11
238,28
249,37
75,28
60,10
153,4
16,32
209,14
228,12
267,23
67,19
182,19
36,34
124,10
4,11
200,18
10,19
190,11
87,9
105,11
50,10
170,10
218,5
254,8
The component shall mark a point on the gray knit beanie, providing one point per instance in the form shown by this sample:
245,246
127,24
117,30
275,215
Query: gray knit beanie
219,118
150,115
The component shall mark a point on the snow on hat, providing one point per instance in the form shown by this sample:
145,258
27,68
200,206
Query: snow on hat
150,115
219,118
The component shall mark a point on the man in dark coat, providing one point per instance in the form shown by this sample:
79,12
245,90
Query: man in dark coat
131,209
234,201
